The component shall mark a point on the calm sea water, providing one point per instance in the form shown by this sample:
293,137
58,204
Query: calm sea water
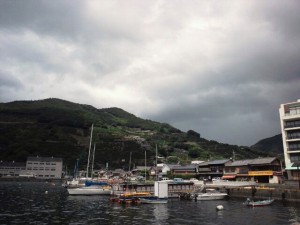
27,203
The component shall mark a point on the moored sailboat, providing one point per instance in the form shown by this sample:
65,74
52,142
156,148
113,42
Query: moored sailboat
90,187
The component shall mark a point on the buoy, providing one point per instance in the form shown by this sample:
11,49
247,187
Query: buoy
46,192
220,207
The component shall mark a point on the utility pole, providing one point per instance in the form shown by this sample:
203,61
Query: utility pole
145,167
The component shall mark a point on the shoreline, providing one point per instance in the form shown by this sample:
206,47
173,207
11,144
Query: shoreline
288,192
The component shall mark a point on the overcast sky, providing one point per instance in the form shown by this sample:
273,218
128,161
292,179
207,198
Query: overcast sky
221,68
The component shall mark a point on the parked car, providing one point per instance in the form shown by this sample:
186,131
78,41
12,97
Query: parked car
178,180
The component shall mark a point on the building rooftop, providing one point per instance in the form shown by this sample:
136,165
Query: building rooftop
241,162
187,167
44,159
217,162
257,161
13,164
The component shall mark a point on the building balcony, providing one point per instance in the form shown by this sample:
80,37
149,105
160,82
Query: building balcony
291,116
292,139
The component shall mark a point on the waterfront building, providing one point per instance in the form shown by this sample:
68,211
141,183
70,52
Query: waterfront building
44,167
11,169
262,170
191,169
212,169
290,129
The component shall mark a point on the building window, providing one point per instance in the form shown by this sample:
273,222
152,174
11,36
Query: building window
295,157
294,146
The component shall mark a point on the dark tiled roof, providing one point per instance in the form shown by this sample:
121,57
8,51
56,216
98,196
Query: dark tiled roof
259,161
172,166
187,167
241,162
204,164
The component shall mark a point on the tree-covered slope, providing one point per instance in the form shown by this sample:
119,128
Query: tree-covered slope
55,127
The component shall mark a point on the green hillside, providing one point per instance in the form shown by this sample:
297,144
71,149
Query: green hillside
273,145
55,127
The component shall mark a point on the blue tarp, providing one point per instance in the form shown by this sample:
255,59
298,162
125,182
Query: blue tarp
90,183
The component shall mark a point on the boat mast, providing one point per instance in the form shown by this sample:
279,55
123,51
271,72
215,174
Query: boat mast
88,163
93,161
129,161
156,162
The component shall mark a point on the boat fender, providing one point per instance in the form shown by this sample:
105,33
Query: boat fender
219,207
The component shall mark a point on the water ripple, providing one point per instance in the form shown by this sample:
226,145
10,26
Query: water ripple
27,203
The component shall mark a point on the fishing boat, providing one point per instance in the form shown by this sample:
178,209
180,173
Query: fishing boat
129,197
258,203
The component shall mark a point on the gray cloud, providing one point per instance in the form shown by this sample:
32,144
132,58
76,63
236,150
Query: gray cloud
219,68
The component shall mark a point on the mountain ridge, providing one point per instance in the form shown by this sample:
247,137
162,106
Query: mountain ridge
56,127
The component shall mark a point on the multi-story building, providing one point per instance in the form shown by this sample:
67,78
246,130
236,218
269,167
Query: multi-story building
11,169
44,167
290,129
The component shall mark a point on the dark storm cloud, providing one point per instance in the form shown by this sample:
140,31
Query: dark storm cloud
219,68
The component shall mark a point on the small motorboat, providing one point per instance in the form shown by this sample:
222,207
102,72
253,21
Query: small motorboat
258,203
153,200
211,194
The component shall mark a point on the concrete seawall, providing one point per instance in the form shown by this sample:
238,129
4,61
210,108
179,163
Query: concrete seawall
291,195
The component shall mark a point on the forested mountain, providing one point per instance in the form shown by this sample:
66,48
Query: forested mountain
272,145
55,127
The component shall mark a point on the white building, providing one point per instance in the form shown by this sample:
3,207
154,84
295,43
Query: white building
44,167
290,129
11,169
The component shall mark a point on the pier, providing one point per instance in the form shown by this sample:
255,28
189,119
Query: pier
282,192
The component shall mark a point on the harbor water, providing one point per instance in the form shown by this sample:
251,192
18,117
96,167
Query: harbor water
49,203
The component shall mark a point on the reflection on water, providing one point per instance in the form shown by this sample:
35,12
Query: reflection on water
160,212
45,203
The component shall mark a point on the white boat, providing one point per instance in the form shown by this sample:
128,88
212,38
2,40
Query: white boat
211,194
90,190
153,200
258,203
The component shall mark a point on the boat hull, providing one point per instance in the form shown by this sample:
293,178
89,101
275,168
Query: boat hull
259,203
153,200
88,191
208,196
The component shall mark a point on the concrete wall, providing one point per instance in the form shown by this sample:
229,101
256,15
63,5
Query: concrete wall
292,195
